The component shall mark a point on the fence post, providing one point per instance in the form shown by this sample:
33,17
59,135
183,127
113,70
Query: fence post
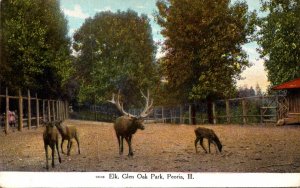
154,114
190,114
53,110
163,115
64,107
244,111
171,117
6,111
61,103
44,111
227,111
62,115
57,110
67,109
214,113
49,111
261,110
61,110
181,114
37,111
20,111
29,109
277,104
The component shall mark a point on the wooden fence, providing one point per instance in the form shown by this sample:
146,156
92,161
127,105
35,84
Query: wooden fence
36,110
247,110
255,109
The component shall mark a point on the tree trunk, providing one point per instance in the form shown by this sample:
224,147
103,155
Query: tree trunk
193,113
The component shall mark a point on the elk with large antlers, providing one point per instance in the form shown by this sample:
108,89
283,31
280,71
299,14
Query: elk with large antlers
126,125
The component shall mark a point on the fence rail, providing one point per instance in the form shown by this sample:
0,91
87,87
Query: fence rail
32,108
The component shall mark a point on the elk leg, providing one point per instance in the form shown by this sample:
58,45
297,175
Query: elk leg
77,140
53,151
69,150
68,147
46,151
61,145
216,146
59,159
119,142
209,141
121,145
196,141
128,139
201,144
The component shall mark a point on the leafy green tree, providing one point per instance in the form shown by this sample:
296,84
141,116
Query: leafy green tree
279,38
203,53
115,52
35,48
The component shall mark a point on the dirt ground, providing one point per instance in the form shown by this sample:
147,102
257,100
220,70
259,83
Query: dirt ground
159,148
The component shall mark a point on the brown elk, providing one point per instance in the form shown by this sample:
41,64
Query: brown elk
50,137
126,125
210,135
67,132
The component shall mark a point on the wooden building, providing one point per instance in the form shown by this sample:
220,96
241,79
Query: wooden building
292,101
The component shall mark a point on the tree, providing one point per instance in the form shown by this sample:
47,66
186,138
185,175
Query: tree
115,52
202,44
245,92
279,38
34,46
258,90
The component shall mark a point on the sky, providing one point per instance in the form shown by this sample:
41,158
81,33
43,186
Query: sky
77,11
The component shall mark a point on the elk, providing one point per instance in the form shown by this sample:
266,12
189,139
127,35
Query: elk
210,135
50,137
127,125
67,132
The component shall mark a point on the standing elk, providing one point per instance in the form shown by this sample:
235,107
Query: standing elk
50,137
67,132
126,125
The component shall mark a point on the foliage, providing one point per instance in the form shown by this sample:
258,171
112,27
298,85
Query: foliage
258,90
203,45
115,52
245,92
279,38
34,46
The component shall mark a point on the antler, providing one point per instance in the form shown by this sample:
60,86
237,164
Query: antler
118,105
146,112
148,107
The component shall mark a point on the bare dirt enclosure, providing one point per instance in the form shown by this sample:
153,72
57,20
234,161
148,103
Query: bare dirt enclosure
159,148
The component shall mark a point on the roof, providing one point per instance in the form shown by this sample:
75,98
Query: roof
293,84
